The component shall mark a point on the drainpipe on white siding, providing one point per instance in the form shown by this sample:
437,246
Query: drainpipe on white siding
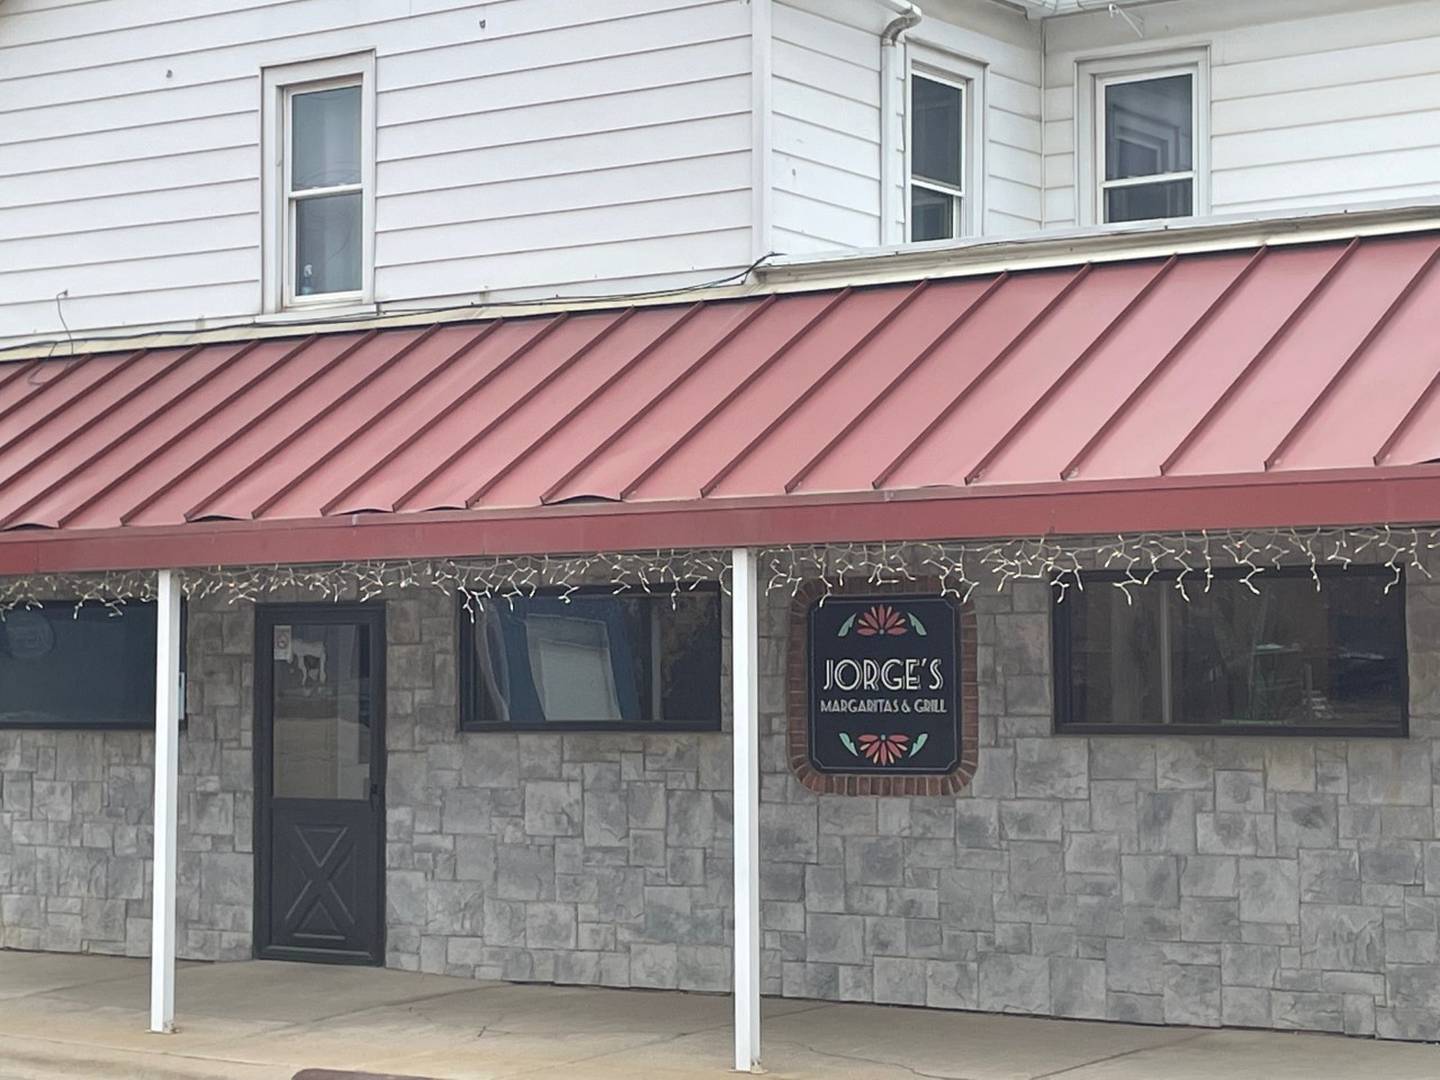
762,186
1044,121
892,71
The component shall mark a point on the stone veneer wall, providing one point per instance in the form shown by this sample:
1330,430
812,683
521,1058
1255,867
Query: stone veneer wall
1291,883
578,858
587,858
75,813
1286,883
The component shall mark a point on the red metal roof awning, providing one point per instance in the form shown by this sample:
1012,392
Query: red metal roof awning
1293,385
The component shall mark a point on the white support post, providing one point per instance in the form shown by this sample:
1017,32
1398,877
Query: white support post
167,780
745,653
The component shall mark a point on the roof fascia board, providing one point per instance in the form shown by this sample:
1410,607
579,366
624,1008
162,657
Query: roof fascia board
1400,496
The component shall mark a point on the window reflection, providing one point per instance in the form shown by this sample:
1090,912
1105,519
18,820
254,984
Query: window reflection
64,664
1149,131
320,678
1281,656
633,659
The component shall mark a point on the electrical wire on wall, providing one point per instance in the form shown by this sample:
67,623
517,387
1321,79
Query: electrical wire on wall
541,303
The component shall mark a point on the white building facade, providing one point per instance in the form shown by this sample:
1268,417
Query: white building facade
417,305
531,149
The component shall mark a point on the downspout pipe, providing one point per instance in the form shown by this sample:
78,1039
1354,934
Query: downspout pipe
892,213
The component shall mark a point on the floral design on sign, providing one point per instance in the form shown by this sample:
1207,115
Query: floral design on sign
884,749
881,620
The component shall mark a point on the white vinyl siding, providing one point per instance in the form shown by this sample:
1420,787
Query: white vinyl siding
1337,104
530,148
517,142
826,104
826,101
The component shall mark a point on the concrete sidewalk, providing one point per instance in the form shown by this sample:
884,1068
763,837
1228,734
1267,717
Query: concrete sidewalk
76,1016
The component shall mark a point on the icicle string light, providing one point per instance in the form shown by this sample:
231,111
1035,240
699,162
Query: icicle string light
1189,560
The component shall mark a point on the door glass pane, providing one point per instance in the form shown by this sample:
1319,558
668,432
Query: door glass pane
1149,127
325,138
327,244
936,128
1173,198
932,215
322,703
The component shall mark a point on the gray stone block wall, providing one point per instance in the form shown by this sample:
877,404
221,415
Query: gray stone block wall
1272,883
1285,883
76,808
574,858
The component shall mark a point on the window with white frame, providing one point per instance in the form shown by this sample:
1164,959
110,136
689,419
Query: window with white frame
319,201
323,189
939,157
1148,137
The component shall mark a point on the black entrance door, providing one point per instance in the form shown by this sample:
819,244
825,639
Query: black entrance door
320,783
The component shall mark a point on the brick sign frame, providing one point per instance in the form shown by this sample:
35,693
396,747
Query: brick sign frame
797,697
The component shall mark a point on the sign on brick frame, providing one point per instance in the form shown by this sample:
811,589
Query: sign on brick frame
882,691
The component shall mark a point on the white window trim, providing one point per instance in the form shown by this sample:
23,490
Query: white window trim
278,84
969,77
1092,77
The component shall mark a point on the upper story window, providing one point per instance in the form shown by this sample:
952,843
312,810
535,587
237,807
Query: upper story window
324,190
943,145
1148,147
319,202
1149,139
1283,658
937,158
632,660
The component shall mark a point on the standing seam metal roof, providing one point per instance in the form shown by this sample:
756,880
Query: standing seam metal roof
1281,361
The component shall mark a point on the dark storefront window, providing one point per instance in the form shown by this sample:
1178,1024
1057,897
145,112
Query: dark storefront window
1282,659
78,667
613,661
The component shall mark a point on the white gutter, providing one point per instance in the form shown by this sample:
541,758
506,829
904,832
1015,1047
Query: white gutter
796,273
892,71
1095,244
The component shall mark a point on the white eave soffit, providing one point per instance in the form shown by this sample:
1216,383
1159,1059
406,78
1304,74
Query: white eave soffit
1045,9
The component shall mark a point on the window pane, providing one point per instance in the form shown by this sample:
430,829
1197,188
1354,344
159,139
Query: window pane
1174,198
1114,659
1287,657
1149,127
61,666
932,215
626,660
327,244
325,138
1291,655
321,730
936,130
